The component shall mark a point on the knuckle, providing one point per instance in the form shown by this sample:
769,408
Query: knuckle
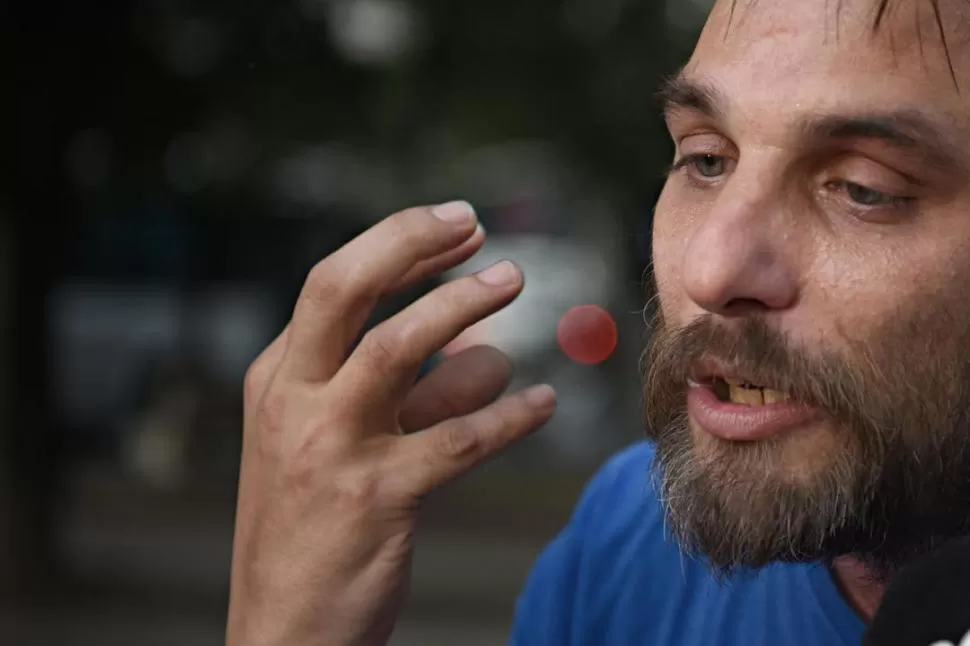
386,350
358,488
408,224
271,413
399,224
341,283
354,280
309,455
411,228
254,383
323,283
499,415
459,441
379,349
507,416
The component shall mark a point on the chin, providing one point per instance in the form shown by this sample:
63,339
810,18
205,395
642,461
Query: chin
796,458
747,504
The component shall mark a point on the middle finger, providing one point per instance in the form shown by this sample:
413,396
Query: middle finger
341,291
383,366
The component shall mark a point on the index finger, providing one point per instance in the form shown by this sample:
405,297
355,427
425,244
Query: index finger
340,292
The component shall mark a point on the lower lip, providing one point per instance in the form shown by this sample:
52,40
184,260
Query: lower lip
742,423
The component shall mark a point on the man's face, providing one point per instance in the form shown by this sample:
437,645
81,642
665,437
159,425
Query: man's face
813,240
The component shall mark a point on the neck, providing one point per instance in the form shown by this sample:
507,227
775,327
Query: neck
860,588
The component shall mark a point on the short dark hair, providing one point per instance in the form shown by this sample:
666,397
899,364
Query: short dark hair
881,10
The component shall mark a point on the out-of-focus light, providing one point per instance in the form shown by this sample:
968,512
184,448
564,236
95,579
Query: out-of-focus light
88,159
329,175
193,47
559,273
218,154
313,176
373,32
587,334
493,173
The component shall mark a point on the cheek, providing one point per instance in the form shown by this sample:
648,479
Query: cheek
671,233
866,288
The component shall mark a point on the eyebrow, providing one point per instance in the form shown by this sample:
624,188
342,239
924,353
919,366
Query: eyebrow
909,130
678,93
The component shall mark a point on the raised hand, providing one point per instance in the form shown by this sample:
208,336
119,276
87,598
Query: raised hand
339,451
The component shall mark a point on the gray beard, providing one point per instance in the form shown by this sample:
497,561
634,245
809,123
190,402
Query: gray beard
721,509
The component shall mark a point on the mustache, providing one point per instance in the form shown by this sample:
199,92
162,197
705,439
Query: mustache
897,387
850,389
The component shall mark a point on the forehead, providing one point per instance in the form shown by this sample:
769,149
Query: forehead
825,54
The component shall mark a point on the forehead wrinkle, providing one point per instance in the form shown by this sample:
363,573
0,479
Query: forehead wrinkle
926,24
773,36
945,23
946,46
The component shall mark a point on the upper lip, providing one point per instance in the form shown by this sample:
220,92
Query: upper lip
706,371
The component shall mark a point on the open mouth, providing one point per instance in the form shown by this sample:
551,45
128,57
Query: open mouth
729,404
737,391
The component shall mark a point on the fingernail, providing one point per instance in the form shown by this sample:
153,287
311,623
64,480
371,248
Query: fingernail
500,273
459,211
540,396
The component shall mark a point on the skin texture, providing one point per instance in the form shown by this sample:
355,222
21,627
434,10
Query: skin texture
339,451
829,261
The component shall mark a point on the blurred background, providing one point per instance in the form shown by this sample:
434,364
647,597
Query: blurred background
178,166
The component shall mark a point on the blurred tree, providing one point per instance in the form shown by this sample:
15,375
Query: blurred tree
197,105
204,99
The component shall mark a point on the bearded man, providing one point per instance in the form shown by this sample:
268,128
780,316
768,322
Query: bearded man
806,384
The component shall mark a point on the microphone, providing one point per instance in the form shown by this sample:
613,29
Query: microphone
927,603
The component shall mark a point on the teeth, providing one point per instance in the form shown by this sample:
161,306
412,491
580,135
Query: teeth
746,396
738,391
774,396
742,393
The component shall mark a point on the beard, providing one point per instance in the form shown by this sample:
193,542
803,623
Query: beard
885,478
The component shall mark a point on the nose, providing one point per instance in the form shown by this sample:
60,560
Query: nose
739,259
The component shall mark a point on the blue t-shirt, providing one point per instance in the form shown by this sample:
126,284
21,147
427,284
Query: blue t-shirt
615,577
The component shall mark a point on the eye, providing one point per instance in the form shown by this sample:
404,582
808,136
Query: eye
868,197
706,166
709,165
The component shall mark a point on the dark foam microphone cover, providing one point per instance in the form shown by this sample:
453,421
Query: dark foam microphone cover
927,601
